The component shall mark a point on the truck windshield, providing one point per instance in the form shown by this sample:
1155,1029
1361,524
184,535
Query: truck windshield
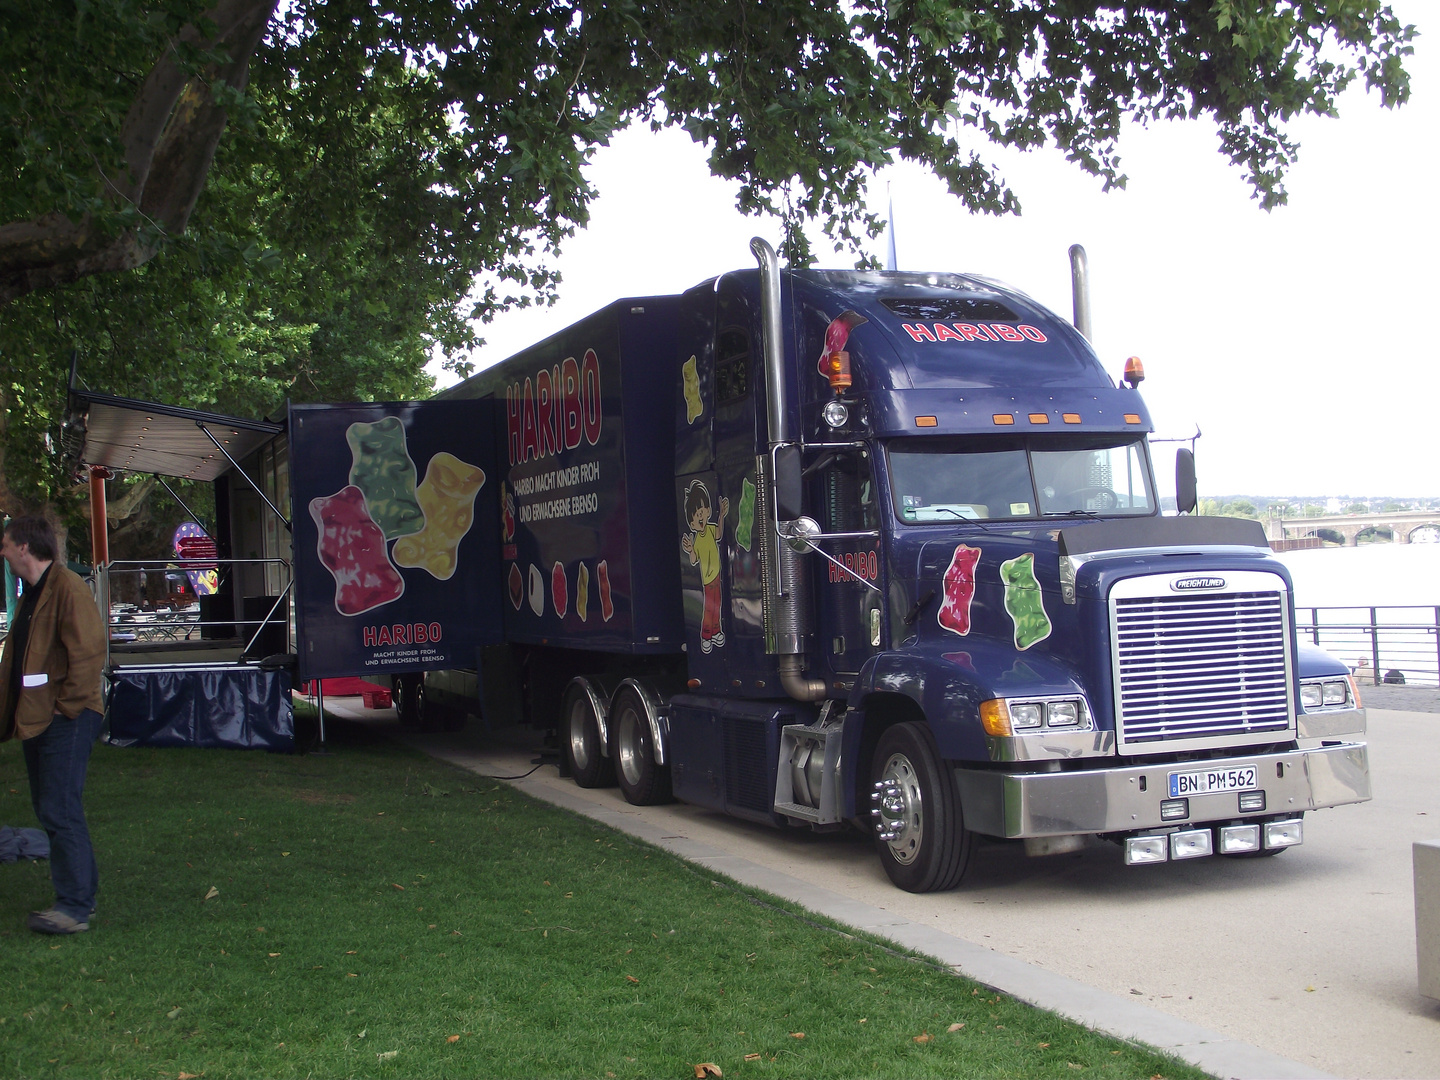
950,480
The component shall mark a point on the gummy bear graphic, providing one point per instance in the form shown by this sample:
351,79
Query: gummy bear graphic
745,517
582,592
690,378
607,607
954,614
382,469
352,547
447,497
1024,601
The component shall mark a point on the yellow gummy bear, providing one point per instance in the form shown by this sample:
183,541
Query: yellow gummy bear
447,496
691,378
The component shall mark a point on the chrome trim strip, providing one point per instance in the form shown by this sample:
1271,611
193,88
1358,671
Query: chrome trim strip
1018,805
1328,725
1051,745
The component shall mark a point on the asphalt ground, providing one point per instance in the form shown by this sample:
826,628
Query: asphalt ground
1297,965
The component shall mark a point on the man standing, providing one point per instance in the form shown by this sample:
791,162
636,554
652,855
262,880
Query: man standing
50,698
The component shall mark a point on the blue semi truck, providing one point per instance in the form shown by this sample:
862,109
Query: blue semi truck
823,548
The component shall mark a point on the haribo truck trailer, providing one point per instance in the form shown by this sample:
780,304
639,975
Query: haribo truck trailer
885,550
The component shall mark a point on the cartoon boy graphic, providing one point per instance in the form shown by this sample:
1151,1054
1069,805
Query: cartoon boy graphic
702,545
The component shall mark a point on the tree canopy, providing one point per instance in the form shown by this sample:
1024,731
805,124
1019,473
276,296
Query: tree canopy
230,202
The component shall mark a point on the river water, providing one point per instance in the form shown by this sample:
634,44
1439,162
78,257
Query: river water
1370,575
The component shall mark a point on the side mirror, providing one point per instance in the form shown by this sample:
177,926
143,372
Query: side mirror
788,483
1185,499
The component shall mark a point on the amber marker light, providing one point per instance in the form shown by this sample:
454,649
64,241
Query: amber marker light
1071,417
837,367
1039,418
925,421
995,717
1003,418
1134,372
1132,418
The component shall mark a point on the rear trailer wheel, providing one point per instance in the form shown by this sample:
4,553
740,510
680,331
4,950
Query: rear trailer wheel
632,750
417,712
580,735
920,836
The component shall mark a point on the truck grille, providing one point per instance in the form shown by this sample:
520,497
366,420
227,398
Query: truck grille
1200,667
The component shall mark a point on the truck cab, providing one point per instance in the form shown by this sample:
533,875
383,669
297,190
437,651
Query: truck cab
928,590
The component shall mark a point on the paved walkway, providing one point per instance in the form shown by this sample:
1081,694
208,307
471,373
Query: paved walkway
1154,935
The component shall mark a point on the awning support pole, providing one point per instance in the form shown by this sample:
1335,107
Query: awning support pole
256,487
100,547
193,516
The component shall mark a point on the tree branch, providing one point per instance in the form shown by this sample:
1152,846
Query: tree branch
169,137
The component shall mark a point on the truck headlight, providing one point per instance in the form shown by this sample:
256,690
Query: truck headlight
1003,717
1329,693
1027,715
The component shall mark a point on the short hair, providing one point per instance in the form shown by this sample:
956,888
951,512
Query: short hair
695,497
34,531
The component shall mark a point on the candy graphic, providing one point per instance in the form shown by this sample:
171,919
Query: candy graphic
448,498
537,590
559,591
1023,600
517,586
582,592
746,519
954,614
352,547
690,379
837,334
603,573
507,513
382,469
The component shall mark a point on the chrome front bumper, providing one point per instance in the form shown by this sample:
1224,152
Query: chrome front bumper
1017,805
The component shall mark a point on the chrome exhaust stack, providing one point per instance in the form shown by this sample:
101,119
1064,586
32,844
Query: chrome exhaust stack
1080,289
785,601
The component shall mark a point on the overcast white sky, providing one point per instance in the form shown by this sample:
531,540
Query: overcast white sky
1298,341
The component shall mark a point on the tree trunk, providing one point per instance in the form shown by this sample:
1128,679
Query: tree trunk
169,136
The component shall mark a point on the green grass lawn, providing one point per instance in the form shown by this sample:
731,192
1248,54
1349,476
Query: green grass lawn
377,913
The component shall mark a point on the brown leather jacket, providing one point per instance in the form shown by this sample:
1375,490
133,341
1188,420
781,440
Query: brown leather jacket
67,645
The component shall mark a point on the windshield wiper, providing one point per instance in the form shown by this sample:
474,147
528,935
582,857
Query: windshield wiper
1071,513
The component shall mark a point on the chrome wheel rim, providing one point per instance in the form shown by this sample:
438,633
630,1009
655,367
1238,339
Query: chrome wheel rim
579,745
630,746
902,809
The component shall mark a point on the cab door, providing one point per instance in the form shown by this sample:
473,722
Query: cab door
847,585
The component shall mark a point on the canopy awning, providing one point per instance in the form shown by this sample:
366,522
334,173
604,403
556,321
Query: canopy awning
144,437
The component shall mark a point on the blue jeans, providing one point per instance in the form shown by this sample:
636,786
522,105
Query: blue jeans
56,760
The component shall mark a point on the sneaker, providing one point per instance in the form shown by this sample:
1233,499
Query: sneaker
51,921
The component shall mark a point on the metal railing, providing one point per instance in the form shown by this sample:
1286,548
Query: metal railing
168,626
1383,644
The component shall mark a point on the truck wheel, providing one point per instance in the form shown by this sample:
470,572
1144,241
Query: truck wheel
927,847
632,751
414,710
580,734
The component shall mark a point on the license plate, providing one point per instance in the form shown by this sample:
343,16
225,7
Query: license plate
1209,781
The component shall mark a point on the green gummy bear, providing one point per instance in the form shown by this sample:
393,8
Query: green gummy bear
746,520
382,469
1024,601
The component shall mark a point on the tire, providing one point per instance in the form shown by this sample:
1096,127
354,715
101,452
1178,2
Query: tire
632,751
931,849
580,738
411,703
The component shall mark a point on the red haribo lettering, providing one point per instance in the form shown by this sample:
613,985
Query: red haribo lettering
570,402
1009,333
944,333
590,396
918,332
1031,332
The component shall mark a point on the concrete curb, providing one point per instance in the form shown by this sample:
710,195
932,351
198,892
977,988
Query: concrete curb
1097,1009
